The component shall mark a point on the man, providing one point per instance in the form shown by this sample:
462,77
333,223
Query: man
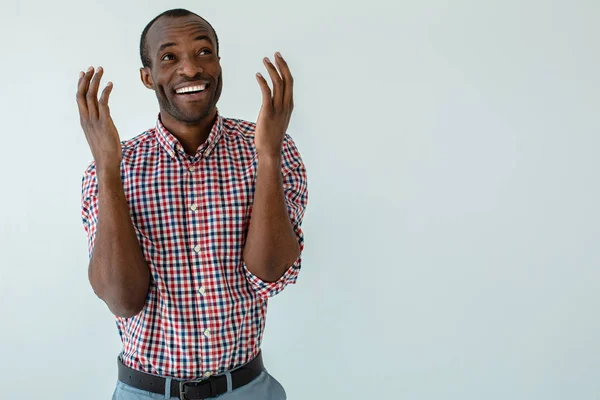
193,224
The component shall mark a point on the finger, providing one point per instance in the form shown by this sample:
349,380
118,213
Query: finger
82,86
288,80
277,83
103,103
267,100
92,94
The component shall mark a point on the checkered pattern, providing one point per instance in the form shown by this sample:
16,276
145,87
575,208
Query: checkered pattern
205,311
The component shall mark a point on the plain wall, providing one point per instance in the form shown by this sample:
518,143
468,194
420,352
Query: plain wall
453,225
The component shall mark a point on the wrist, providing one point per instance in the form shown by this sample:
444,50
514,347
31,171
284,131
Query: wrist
273,159
108,171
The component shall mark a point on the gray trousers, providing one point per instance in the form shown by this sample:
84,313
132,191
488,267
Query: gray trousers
264,387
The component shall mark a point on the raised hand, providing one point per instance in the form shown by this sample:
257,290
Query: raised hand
100,131
276,111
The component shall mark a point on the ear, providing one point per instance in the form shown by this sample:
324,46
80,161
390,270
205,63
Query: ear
146,78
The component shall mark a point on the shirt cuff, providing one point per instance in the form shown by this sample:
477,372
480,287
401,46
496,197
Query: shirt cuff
270,289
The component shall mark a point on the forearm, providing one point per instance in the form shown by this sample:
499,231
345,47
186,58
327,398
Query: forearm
118,271
271,245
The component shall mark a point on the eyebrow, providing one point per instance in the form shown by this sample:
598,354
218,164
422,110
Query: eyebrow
197,38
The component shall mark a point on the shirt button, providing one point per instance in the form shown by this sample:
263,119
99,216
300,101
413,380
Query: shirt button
193,207
207,374
207,333
191,168
202,291
197,248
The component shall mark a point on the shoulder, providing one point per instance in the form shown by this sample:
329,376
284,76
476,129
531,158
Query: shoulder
239,129
132,149
139,145
289,147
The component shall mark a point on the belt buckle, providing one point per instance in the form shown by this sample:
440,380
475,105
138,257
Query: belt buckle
195,383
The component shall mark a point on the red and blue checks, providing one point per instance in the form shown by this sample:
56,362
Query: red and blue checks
205,311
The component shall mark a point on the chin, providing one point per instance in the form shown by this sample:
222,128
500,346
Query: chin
197,116
190,117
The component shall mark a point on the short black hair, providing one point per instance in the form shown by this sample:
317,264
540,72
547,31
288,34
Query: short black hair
176,12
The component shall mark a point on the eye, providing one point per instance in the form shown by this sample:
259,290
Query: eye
168,57
205,51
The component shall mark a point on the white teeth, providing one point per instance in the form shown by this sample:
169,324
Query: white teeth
191,89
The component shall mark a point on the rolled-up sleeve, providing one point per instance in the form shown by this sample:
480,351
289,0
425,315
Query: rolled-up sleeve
296,198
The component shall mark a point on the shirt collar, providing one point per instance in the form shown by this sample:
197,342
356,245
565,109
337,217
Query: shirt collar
172,146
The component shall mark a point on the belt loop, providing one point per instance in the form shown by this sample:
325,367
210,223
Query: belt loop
229,382
167,388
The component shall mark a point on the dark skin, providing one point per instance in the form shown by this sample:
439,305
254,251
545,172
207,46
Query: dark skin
183,54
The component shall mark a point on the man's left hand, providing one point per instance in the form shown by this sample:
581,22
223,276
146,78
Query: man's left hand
276,110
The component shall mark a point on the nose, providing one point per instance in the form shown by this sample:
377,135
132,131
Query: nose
190,67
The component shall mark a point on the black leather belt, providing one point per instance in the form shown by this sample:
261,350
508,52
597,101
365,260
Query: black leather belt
193,389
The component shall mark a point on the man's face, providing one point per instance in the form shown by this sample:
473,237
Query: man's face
183,51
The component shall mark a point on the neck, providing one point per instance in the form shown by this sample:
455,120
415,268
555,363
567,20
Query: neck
191,136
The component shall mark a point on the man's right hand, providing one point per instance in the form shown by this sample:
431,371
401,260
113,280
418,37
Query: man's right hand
118,270
99,128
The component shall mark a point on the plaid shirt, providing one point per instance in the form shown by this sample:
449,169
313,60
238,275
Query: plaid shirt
205,311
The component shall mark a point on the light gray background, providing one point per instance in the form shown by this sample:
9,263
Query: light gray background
451,235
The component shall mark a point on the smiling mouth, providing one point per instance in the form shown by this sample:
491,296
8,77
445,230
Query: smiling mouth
191,89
